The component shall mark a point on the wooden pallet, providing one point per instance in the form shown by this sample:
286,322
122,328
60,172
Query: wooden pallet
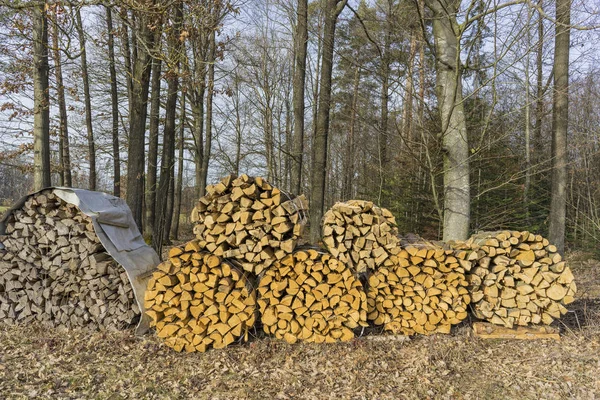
485,330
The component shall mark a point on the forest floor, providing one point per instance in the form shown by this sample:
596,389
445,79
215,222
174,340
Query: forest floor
42,363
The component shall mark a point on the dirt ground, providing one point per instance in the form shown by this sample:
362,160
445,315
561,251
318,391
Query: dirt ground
41,363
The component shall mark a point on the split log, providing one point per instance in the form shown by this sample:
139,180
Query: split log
197,300
249,220
423,290
54,270
311,296
360,234
518,279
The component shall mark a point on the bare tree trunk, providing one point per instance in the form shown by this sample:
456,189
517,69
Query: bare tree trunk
127,57
454,131
301,41
179,188
153,147
332,9
560,124
41,106
87,100
539,100
408,94
349,161
114,98
137,120
209,112
165,184
64,153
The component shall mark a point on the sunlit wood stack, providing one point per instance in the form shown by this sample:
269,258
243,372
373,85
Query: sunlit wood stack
360,234
55,270
422,290
519,279
311,296
197,300
249,220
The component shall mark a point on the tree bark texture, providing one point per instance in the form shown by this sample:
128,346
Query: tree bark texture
114,99
453,125
332,10
153,147
560,125
301,41
41,111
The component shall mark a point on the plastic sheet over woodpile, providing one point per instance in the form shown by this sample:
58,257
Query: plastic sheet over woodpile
311,296
423,290
360,234
247,219
518,279
197,300
55,270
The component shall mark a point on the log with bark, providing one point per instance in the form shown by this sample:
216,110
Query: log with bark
197,300
311,296
422,290
249,220
519,278
54,270
360,234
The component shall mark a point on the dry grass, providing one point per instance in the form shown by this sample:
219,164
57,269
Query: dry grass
40,363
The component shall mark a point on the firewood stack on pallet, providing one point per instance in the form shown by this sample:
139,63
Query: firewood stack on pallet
360,234
55,270
311,296
198,300
423,290
247,219
518,279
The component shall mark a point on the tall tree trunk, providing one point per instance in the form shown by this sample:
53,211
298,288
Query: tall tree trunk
64,153
127,57
332,9
301,41
349,162
209,112
453,125
179,188
153,146
114,99
87,100
165,184
560,124
539,100
137,120
41,101
408,94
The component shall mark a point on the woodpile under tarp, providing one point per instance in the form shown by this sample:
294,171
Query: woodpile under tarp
360,234
198,300
58,263
311,296
422,290
247,219
518,278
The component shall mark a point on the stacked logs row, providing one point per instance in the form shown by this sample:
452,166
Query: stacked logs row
197,300
54,270
518,278
311,296
249,220
422,290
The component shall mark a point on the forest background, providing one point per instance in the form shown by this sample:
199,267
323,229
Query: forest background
458,116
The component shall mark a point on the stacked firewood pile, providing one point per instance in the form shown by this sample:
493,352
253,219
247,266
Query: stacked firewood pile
55,270
360,234
313,297
423,290
198,300
249,220
518,279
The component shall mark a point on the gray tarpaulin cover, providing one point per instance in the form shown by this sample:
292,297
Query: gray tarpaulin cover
118,233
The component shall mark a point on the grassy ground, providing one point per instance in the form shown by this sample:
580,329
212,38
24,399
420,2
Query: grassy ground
40,363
